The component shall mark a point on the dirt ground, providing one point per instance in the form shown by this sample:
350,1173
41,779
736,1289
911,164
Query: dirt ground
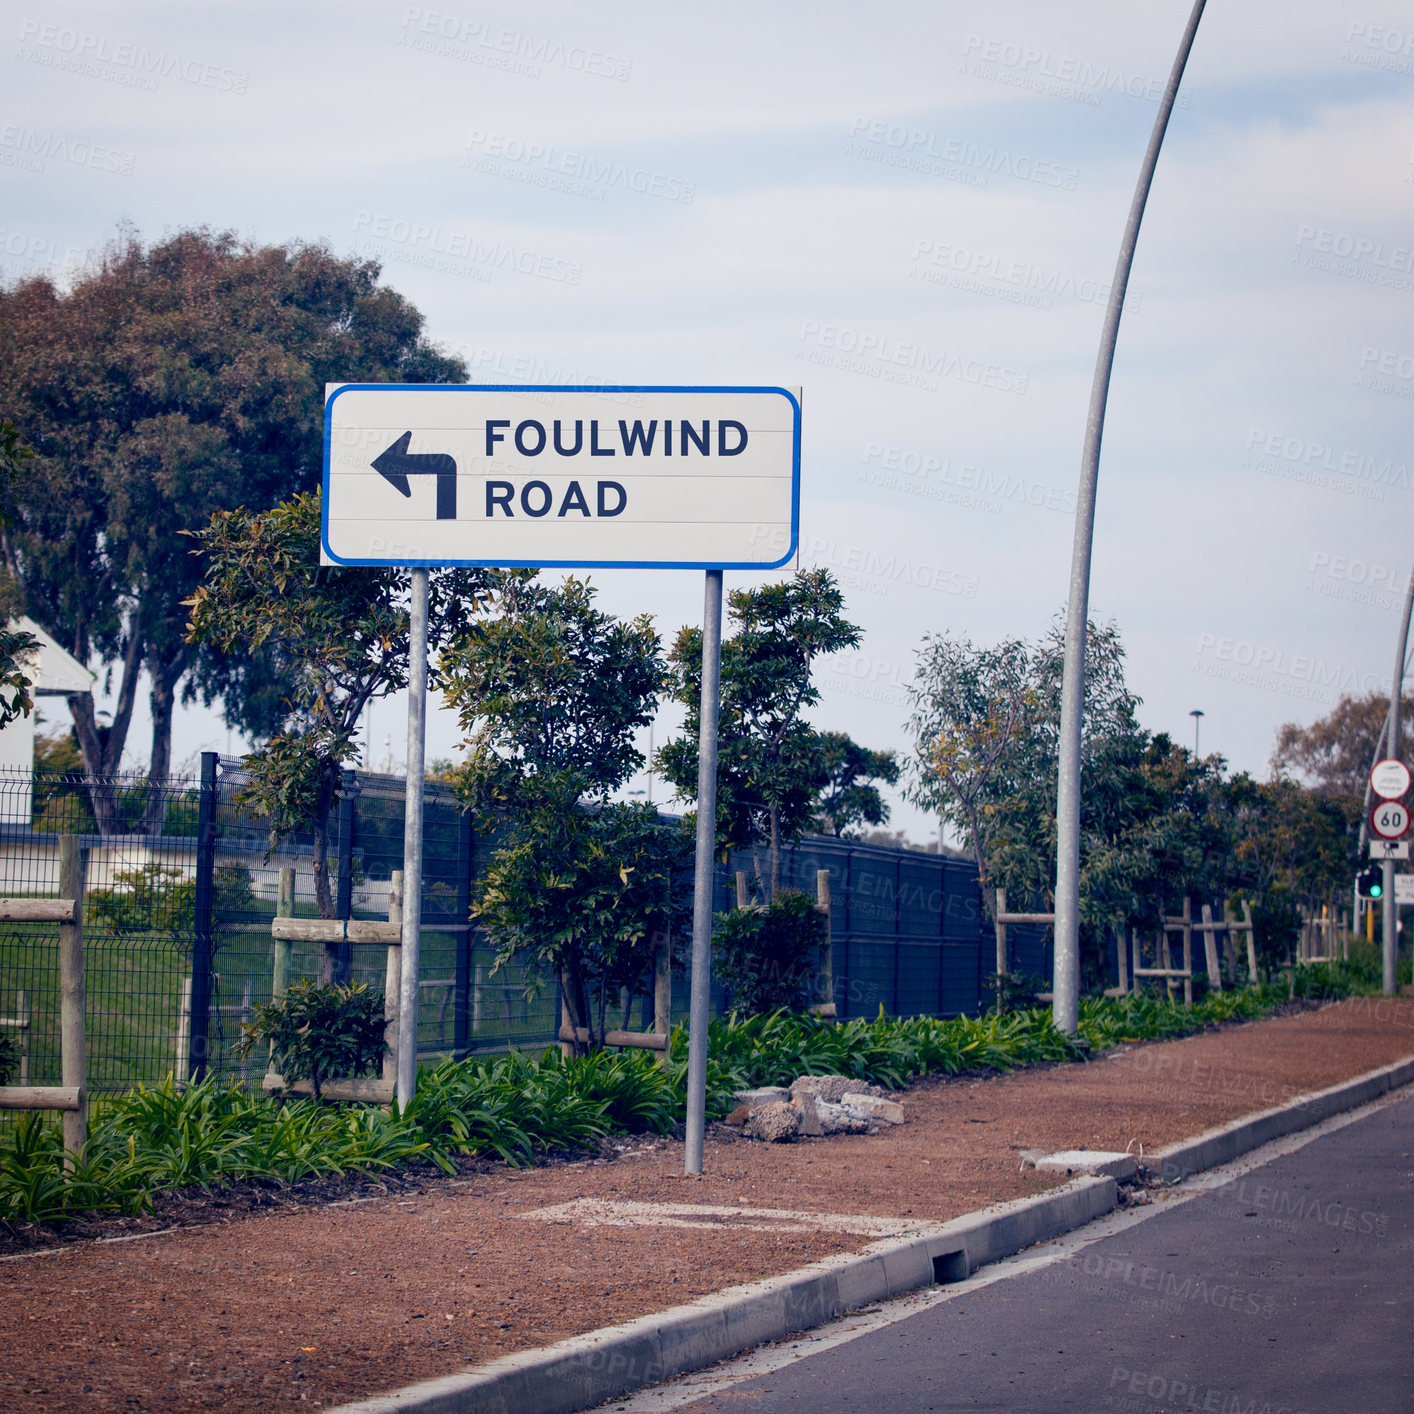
327,1302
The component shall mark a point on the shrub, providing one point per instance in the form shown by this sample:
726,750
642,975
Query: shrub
153,899
319,1033
1015,991
768,955
9,1058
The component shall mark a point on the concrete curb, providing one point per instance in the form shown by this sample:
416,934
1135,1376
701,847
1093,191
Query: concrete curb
589,1369
1231,1141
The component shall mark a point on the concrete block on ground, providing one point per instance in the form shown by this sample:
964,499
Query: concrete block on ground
765,1095
777,1123
1105,1162
841,1119
885,1111
832,1087
809,1108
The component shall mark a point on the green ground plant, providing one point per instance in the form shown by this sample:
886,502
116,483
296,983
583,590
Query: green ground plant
513,1107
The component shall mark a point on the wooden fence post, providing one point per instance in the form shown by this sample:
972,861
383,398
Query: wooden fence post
280,971
1188,950
1001,933
742,897
827,953
1122,957
392,981
663,993
1252,974
73,995
1210,950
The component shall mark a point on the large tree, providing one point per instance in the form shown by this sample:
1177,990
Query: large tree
169,382
1335,753
770,766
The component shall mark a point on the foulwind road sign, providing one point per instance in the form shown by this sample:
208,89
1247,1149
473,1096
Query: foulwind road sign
630,477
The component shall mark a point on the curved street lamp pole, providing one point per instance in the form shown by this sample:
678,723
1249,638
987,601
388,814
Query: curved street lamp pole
1389,929
1065,1008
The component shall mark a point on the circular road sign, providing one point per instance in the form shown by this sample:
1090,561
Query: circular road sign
1389,779
1389,820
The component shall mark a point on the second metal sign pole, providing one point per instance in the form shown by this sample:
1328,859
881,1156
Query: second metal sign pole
412,840
699,1016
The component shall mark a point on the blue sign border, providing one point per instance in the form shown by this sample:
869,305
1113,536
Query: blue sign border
564,564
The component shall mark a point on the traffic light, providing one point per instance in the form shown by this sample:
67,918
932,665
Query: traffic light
1371,883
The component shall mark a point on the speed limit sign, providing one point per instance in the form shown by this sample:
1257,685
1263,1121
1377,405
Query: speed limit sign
1389,820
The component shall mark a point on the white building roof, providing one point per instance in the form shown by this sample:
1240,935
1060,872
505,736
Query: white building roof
56,673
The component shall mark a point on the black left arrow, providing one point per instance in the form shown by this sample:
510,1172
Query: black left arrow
397,464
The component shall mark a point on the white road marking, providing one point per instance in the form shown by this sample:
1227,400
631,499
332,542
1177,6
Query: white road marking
606,1212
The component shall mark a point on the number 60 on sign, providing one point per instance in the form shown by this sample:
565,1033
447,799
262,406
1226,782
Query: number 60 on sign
1389,820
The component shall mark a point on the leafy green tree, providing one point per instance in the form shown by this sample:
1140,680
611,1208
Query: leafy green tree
851,796
550,693
770,767
319,1033
972,707
341,638
587,895
169,382
1293,840
769,955
986,727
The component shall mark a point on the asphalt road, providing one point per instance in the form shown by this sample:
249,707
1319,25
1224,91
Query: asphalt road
1290,1288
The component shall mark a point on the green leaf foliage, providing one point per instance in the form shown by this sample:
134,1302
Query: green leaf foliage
550,692
320,1033
771,765
515,1107
341,638
152,899
769,954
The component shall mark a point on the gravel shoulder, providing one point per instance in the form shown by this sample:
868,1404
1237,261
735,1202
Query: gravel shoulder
319,1302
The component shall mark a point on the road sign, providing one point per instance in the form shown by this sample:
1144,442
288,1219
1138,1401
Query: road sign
1389,820
557,477
1389,849
1389,779
1404,888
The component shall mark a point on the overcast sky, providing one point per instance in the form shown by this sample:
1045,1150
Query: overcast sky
910,211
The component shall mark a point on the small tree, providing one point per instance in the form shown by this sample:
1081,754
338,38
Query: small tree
851,796
550,693
341,636
769,955
770,767
971,706
319,1033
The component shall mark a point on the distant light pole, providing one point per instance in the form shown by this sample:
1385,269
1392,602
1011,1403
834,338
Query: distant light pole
1065,986
1196,713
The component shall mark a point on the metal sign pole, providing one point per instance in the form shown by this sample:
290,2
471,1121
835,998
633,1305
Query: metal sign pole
412,840
699,1014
